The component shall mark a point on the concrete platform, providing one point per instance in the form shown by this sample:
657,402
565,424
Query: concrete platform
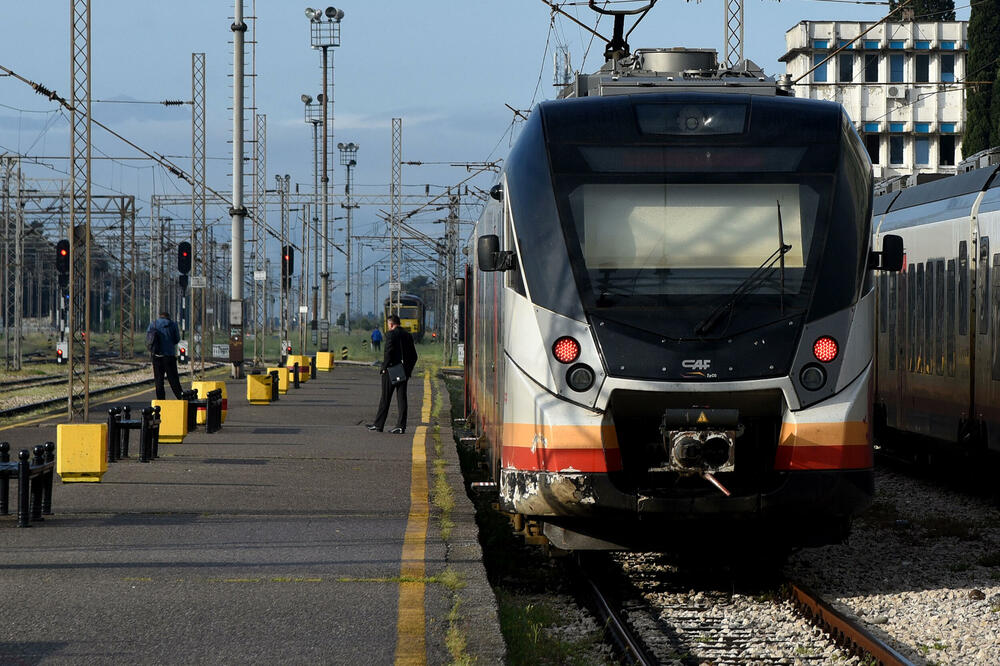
294,535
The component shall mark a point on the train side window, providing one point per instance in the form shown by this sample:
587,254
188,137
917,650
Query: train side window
984,285
892,297
963,288
911,319
883,301
940,317
918,324
995,316
513,276
950,335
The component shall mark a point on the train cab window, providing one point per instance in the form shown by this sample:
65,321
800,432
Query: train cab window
984,285
918,323
940,317
911,320
513,277
950,335
963,288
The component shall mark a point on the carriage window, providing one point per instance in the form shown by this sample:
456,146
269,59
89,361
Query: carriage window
939,316
995,316
963,288
514,279
911,320
918,324
984,273
928,344
950,336
893,299
883,301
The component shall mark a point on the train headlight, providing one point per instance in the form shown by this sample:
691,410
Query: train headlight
566,349
825,349
812,377
580,377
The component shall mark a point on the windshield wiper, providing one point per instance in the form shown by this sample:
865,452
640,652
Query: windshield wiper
751,282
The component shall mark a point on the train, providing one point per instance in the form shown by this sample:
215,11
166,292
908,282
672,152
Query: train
412,314
671,314
938,341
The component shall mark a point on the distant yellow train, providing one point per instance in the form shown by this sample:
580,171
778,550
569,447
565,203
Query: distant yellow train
411,314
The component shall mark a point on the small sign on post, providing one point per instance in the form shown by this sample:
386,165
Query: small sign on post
198,282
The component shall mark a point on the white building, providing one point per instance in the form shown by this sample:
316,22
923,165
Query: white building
899,83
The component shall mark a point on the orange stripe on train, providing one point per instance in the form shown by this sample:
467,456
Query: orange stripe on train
804,446
561,460
547,436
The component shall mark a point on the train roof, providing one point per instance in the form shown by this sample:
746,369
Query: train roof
938,190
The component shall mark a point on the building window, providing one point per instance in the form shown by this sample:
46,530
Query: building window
897,44
947,46
946,150
872,44
819,43
895,150
871,67
948,68
873,143
947,128
922,65
819,74
846,44
845,67
922,150
923,46
871,127
897,127
895,68
922,128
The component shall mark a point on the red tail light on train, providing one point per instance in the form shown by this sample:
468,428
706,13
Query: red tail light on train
566,349
825,349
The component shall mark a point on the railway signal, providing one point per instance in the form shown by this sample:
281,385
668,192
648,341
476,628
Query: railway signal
184,257
62,348
287,265
182,351
62,262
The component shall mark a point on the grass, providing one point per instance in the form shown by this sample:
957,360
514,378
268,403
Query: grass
526,623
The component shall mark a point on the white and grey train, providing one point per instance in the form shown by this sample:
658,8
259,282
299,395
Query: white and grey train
670,315
939,319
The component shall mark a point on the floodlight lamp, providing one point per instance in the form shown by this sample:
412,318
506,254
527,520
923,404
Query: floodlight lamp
340,14
306,99
312,14
331,12
320,97
341,146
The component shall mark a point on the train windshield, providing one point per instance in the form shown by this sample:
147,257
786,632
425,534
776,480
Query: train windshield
689,240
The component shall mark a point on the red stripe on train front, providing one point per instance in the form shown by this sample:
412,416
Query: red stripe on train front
824,457
561,460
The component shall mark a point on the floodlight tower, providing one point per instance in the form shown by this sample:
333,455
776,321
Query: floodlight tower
348,158
324,34
313,117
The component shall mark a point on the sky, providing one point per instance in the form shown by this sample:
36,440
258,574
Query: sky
446,67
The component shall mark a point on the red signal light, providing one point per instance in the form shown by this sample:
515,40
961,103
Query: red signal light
566,349
825,349
59,352
63,252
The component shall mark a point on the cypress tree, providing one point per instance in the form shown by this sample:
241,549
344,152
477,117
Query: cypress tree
927,10
981,65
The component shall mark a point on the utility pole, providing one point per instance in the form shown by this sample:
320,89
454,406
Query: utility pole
238,211
348,158
286,280
199,283
733,33
396,249
259,254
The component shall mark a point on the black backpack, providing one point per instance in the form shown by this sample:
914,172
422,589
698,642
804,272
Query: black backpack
151,340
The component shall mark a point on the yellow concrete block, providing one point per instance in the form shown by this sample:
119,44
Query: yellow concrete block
283,379
259,389
203,389
305,366
81,452
173,420
324,361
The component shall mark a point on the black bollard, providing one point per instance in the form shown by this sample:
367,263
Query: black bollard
125,433
23,492
37,483
312,367
50,459
4,480
113,435
145,436
275,382
155,437
295,375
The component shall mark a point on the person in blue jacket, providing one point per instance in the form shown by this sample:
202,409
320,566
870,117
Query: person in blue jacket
376,339
164,336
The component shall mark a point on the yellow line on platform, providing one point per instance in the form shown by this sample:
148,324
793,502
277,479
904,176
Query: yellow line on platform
411,645
50,417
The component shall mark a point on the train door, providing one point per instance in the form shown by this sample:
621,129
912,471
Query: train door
986,359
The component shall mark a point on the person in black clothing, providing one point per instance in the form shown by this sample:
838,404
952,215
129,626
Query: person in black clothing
164,354
398,349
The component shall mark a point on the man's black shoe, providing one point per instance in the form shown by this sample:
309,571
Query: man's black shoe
397,431
372,426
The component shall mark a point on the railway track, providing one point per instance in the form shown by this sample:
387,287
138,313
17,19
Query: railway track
655,615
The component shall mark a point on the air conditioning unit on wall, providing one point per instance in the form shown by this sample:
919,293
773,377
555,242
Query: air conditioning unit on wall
896,92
